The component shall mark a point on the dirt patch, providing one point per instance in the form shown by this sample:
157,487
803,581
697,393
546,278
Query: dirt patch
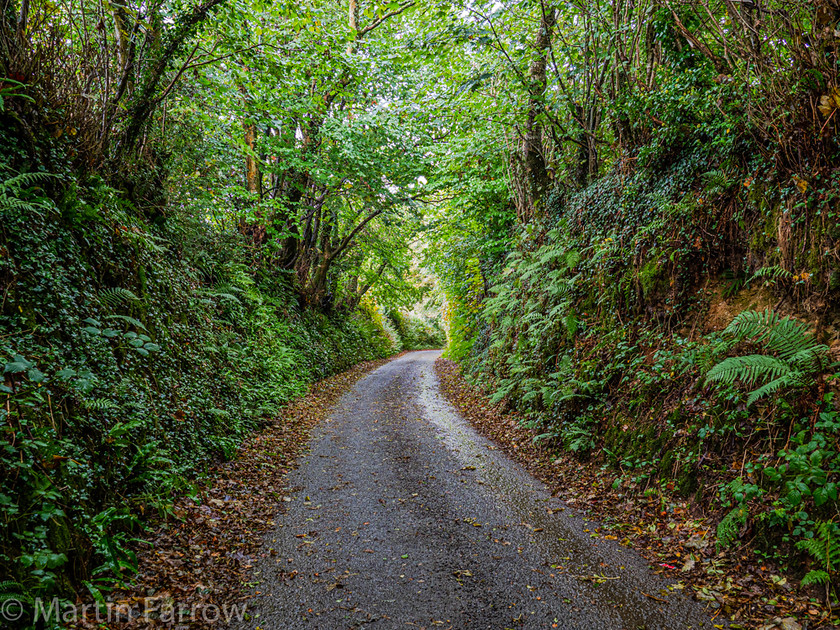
676,537
722,310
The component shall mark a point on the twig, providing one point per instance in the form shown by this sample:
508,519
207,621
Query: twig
595,577
364,31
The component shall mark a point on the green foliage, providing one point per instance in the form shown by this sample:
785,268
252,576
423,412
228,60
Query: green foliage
133,354
773,273
417,331
12,89
728,530
162,296
110,536
115,297
810,469
578,437
17,193
824,548
796,360
13,600
608,353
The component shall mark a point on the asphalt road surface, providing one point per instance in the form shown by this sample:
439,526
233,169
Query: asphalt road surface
402,516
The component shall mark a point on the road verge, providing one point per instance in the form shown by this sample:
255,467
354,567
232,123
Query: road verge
194,562
676,537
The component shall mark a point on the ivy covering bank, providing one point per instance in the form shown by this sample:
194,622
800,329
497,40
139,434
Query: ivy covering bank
184,248
134,356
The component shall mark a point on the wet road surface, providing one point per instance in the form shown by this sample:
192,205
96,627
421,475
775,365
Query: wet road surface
402,516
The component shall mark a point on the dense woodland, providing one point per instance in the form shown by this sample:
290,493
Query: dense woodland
626,212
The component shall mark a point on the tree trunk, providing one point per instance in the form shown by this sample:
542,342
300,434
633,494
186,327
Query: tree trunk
120,33
23,19
356,292
252,173
533,157
145,102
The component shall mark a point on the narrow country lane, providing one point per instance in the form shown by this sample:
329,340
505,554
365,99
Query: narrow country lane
402,516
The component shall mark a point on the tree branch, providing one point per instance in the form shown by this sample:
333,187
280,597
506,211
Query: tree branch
378,21
189,66
349,238
145,103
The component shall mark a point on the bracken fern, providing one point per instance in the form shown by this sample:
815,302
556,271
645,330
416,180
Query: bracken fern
824,547
730,526
794,358
116,296
772,273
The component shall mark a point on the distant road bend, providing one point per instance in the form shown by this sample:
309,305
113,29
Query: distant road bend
404,517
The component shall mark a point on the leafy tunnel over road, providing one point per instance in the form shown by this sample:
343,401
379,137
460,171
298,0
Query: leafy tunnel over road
403,515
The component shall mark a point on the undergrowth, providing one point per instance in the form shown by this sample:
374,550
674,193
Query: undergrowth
135,351
598,328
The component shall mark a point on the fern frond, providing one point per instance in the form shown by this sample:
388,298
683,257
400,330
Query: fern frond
227,288
151,242
572,323
730,526
717,182
773,272
99,404
788,337
14,190
221,296
704,356
792,379
116,296
754,325
13,591
238,276
797,355
748,369
13,203
815,577
811,359
825,545
22,181
578,437
550,254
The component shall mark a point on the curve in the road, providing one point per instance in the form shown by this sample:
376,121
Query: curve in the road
405,517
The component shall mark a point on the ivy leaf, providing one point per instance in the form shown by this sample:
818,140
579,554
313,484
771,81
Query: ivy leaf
18,364
35,375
